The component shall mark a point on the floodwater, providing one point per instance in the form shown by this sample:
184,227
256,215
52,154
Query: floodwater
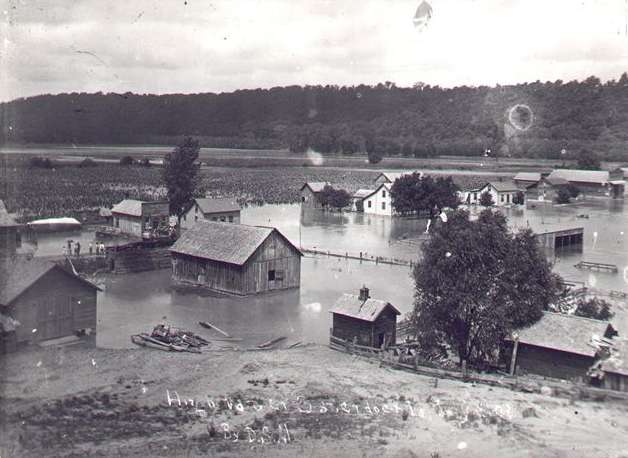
133,303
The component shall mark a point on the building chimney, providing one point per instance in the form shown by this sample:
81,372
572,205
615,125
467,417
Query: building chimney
364,294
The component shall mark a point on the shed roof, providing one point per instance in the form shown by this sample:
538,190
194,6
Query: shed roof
23,274
129,207
6,220
581,176
528,176
361,193
230,243
315,186
568,333
350,305
220,205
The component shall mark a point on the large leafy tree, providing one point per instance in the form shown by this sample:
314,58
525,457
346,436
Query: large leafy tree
413,194
476,282
181,176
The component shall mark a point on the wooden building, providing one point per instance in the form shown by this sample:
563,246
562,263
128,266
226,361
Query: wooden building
524,180
546,189
558,346
365,321
611,371
47,301
224,210
379,201
357,199
310,194
592,182
136,217
10,239
236,259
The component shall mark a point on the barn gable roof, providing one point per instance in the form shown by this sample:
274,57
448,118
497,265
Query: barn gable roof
315,186
361,193
129,207
393,176
504,186
221,205
386,186
6,220
230,243
24,274
582,176
568,333
352,306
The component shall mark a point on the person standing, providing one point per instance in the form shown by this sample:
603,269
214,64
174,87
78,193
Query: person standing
78,249
91,248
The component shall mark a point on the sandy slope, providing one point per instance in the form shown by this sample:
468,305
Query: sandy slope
85,401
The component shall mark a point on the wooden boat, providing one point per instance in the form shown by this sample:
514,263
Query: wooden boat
144,340
208,325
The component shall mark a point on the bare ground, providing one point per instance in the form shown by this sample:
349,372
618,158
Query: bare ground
311,401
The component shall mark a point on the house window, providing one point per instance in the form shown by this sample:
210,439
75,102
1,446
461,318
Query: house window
475,196
508,198
223,219
195,217
214,219
369,202
185,217
383,205
384,194
117,220
278,275
271,275
231,219
501,197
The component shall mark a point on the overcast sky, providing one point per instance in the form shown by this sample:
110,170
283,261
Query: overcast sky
164,46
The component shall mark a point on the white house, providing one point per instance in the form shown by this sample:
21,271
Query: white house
357,200
503,192
379,201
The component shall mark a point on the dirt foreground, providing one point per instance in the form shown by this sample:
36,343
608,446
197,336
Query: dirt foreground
83,401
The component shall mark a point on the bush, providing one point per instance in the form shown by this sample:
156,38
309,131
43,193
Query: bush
87,162
374,157
519,198
486,199
563,196
574,191
40,162
595,308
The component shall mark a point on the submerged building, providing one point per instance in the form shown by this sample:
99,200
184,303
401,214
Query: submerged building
236,259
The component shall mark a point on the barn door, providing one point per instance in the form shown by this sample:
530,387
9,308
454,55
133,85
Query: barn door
55,318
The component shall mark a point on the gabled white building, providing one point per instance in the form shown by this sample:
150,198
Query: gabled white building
379,201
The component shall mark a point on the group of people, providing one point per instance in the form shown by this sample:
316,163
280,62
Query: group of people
72,248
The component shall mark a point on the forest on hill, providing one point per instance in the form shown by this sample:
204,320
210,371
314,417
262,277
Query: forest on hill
544,120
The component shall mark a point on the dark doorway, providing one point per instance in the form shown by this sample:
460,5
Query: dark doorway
380,339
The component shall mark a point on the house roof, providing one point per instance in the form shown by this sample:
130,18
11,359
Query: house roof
350,305
231,243
129,207
221,205
387,186
582,176
23,274
555,181
6,220
504,186
315,186
527,176
618,361
361,193
392,176
568,333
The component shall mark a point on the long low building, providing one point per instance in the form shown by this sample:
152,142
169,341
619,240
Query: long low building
591,182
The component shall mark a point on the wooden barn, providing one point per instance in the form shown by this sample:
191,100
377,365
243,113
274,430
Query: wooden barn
136,217
558,346
224,210
310,194
363,320
236,259
47,301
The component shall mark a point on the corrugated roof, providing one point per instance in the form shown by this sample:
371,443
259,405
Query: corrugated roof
129,207
315,186
568,333
221,205
361,193
350,305
231,243
6,220
528,176
504,186
22,274
582,176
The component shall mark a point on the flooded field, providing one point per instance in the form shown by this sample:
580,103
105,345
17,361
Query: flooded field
132,303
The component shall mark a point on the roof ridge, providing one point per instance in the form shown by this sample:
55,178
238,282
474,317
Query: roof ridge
569,315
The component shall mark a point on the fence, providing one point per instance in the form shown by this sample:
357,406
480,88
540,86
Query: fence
360,257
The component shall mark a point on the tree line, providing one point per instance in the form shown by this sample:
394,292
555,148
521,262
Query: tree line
544,120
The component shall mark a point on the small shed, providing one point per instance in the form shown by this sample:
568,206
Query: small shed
47,301
558,346
236,259
223,210
311,192
135,217
611,372
370,322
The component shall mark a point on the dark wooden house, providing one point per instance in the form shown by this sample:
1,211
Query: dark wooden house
363,320
311,194
236,259
558,346
136,217
47,301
